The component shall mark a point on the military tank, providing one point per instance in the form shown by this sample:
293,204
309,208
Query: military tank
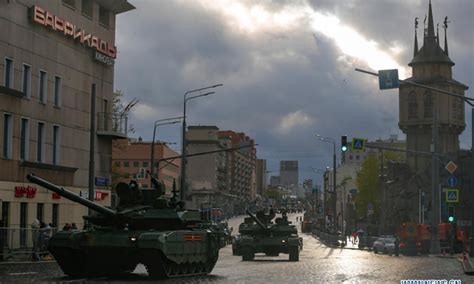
145,228
259,235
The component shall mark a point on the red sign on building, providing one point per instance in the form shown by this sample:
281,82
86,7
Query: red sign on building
22,191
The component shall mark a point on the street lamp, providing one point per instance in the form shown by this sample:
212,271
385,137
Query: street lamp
157,123
333,142
183,141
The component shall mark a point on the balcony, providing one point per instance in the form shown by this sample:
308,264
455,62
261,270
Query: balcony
112,125
11,92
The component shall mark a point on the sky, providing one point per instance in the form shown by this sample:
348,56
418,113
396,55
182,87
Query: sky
287,68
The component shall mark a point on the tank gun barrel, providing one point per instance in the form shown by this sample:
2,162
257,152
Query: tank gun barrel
71,195
259,223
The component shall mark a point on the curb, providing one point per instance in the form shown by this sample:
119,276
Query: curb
6,263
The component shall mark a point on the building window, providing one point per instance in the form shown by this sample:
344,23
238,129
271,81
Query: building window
5,213
40,212
126,175
104,16
412,105
26,84
145,164
57,91
23,223
428,105
117,163
88,8
8,80
40,145
357,157
71,3
136,164
126,164
350,157
7,135
43,87
56,144
24,138
54,215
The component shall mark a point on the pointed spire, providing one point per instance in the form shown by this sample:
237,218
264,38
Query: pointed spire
431,33
446,35
415,49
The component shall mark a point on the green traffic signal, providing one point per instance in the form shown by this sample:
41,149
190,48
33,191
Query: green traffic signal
344,143
450,219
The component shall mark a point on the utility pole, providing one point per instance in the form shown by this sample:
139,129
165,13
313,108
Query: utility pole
435,247
92,146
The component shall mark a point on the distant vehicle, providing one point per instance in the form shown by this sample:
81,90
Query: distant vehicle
385,245
260,235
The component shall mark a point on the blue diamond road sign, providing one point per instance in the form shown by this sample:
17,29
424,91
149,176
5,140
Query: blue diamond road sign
358,143
452,195
452,181
388,79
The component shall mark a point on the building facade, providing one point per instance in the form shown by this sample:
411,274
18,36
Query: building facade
51,53
132,160
225,179
261,176
288,173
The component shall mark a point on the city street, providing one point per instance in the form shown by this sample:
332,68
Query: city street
317,264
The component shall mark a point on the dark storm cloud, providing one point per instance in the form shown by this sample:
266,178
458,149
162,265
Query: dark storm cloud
280,87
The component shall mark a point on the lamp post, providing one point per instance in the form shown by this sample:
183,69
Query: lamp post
333,142
157,123
183,141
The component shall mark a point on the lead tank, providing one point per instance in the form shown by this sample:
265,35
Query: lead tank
259,235
145,228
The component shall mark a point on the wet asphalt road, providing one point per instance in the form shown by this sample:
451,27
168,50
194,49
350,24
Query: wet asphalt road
318,264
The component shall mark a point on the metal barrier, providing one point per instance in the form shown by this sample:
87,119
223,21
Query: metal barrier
25,243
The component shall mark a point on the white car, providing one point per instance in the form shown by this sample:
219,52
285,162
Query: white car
385,245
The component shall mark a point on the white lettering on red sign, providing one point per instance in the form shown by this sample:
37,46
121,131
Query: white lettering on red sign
22,191
47,19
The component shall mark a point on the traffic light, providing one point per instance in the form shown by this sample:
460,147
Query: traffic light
344,143
451,217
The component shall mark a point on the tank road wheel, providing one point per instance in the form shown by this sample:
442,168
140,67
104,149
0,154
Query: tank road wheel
247,254
294,253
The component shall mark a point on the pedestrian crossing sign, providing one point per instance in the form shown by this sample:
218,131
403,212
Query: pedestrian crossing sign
358,143
452,195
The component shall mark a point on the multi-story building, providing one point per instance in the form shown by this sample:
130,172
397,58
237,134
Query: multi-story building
242,164
207,177
51,54
289,173
274,181
261,176
132,160
225,179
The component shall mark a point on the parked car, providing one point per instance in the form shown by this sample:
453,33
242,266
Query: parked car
385,245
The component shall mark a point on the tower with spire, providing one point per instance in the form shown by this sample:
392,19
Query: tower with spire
420,108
